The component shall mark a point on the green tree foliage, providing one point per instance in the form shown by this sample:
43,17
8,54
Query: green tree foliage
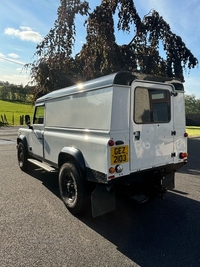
192,105
13,92
55,67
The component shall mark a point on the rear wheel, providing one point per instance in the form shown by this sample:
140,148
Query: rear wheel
72,187
22,157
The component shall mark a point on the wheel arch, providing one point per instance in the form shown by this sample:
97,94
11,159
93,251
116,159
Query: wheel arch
22,138
74,155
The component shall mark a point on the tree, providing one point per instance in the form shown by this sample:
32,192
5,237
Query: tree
55,66
13,92
192,105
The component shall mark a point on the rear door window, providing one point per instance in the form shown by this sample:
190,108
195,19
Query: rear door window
151,106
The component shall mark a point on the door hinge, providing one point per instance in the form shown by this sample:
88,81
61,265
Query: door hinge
173,132
174,93
173,154
137,135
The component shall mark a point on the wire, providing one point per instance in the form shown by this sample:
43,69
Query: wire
12,61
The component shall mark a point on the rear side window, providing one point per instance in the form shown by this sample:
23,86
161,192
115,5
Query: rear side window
151,106
39,115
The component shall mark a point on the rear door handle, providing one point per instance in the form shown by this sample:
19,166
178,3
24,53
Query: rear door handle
137,135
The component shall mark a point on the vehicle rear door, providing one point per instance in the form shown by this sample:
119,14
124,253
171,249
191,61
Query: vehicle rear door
151,125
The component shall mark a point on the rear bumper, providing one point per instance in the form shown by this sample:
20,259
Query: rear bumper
166,172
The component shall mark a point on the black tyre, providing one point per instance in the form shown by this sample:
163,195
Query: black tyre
73,189
22,157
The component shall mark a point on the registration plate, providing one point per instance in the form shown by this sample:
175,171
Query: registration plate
119,154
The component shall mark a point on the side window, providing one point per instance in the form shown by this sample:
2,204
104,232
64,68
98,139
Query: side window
39,115
151,106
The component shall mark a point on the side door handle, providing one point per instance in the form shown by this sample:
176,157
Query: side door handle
137,135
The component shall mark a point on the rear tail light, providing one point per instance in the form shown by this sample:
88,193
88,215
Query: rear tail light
111,142
185,134
183,155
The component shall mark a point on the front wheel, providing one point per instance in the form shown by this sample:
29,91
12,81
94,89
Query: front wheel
72,187
22,157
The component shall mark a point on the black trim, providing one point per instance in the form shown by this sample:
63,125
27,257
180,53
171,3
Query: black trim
22,138
96,176
124,78
68,154
178,86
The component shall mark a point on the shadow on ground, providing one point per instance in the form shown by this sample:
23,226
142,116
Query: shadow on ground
193,164
159,233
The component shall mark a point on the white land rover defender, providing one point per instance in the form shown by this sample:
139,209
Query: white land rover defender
119,129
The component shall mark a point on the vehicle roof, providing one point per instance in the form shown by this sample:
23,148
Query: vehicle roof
120,78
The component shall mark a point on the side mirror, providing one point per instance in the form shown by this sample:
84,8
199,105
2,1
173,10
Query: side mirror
28,121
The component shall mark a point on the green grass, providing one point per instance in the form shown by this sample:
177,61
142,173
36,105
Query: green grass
193,131
13,110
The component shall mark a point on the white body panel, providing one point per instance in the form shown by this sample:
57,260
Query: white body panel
93,146
88,110
180,143
34,139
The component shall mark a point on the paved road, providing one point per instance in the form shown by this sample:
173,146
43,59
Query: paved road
37,230
8,134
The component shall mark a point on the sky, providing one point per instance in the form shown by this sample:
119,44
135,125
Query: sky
24,23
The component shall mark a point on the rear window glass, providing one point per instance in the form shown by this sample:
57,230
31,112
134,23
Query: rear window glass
151,106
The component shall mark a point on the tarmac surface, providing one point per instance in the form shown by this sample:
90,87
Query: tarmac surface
8,134
37,230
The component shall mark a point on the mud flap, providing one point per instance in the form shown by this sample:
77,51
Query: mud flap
168,181
103,200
